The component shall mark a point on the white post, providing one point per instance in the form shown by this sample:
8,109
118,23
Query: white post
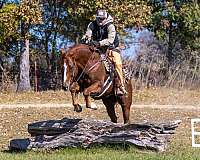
194,133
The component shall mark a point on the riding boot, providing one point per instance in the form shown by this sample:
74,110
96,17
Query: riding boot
116,58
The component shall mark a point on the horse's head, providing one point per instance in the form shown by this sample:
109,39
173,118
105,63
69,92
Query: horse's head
74,62
68,69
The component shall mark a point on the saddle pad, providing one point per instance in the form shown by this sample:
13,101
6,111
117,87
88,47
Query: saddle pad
126,72
109,67
107,63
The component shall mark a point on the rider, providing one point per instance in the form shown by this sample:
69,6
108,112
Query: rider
102,32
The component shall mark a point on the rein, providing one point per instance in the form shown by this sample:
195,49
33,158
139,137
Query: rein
84,69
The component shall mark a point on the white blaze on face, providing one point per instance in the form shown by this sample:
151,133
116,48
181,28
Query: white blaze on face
65,72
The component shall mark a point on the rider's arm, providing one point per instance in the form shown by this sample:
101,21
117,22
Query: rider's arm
88,34
111,36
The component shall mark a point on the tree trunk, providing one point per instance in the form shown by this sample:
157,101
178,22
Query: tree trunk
67,132
24,79
47,35
170,55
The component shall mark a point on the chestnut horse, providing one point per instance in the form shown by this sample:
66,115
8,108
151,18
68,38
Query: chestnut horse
83,71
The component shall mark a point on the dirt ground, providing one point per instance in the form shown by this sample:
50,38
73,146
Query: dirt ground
14,121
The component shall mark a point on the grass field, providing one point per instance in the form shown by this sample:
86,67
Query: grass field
13,124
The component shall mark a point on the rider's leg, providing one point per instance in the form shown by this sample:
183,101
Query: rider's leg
116,58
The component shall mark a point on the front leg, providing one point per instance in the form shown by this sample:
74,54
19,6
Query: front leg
89,104
94,88
74,89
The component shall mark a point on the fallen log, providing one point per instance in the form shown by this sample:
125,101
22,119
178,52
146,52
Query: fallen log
67,132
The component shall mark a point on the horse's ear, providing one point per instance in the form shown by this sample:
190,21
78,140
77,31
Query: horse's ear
62,51
71,64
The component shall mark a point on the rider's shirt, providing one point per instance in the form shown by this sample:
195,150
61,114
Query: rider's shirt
105,34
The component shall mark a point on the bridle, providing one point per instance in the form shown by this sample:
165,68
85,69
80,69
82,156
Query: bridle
84,71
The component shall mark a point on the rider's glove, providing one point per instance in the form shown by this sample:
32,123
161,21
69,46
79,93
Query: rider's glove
111,46
84,40
96,43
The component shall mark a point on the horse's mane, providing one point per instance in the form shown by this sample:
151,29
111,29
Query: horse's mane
73,49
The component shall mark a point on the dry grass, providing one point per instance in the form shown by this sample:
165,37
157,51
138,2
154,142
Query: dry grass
34,97
145,96
166,96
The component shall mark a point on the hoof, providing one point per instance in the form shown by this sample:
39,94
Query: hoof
93,106
78,108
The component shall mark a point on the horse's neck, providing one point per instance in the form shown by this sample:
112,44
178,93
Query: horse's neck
87,56
89,61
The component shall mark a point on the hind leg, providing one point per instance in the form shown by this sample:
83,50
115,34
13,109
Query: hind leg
110,107
125,102
125,108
